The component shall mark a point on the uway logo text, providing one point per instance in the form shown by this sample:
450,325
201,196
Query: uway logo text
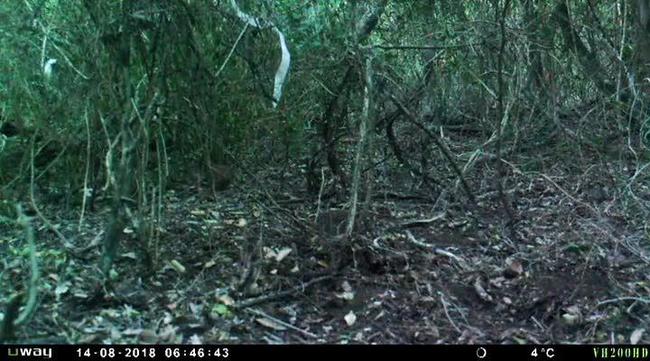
39,352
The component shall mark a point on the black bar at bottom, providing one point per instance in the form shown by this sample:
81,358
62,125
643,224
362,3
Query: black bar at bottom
333,352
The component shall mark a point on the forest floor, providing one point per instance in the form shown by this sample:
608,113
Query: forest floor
249,265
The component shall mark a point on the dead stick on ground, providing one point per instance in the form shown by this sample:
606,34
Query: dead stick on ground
281,323
444,306
463,265
274,296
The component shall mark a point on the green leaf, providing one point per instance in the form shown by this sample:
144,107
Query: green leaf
220,310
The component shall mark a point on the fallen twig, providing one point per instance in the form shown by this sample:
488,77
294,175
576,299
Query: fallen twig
619,299
421,222
439,251
282,323
274,296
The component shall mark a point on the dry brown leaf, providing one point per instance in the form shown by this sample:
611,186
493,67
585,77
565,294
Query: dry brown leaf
348,296
570,319
514,267
350,318
282,254
195,340
226,300
636,335
209,264
481,292
148,336
346,286
129,255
